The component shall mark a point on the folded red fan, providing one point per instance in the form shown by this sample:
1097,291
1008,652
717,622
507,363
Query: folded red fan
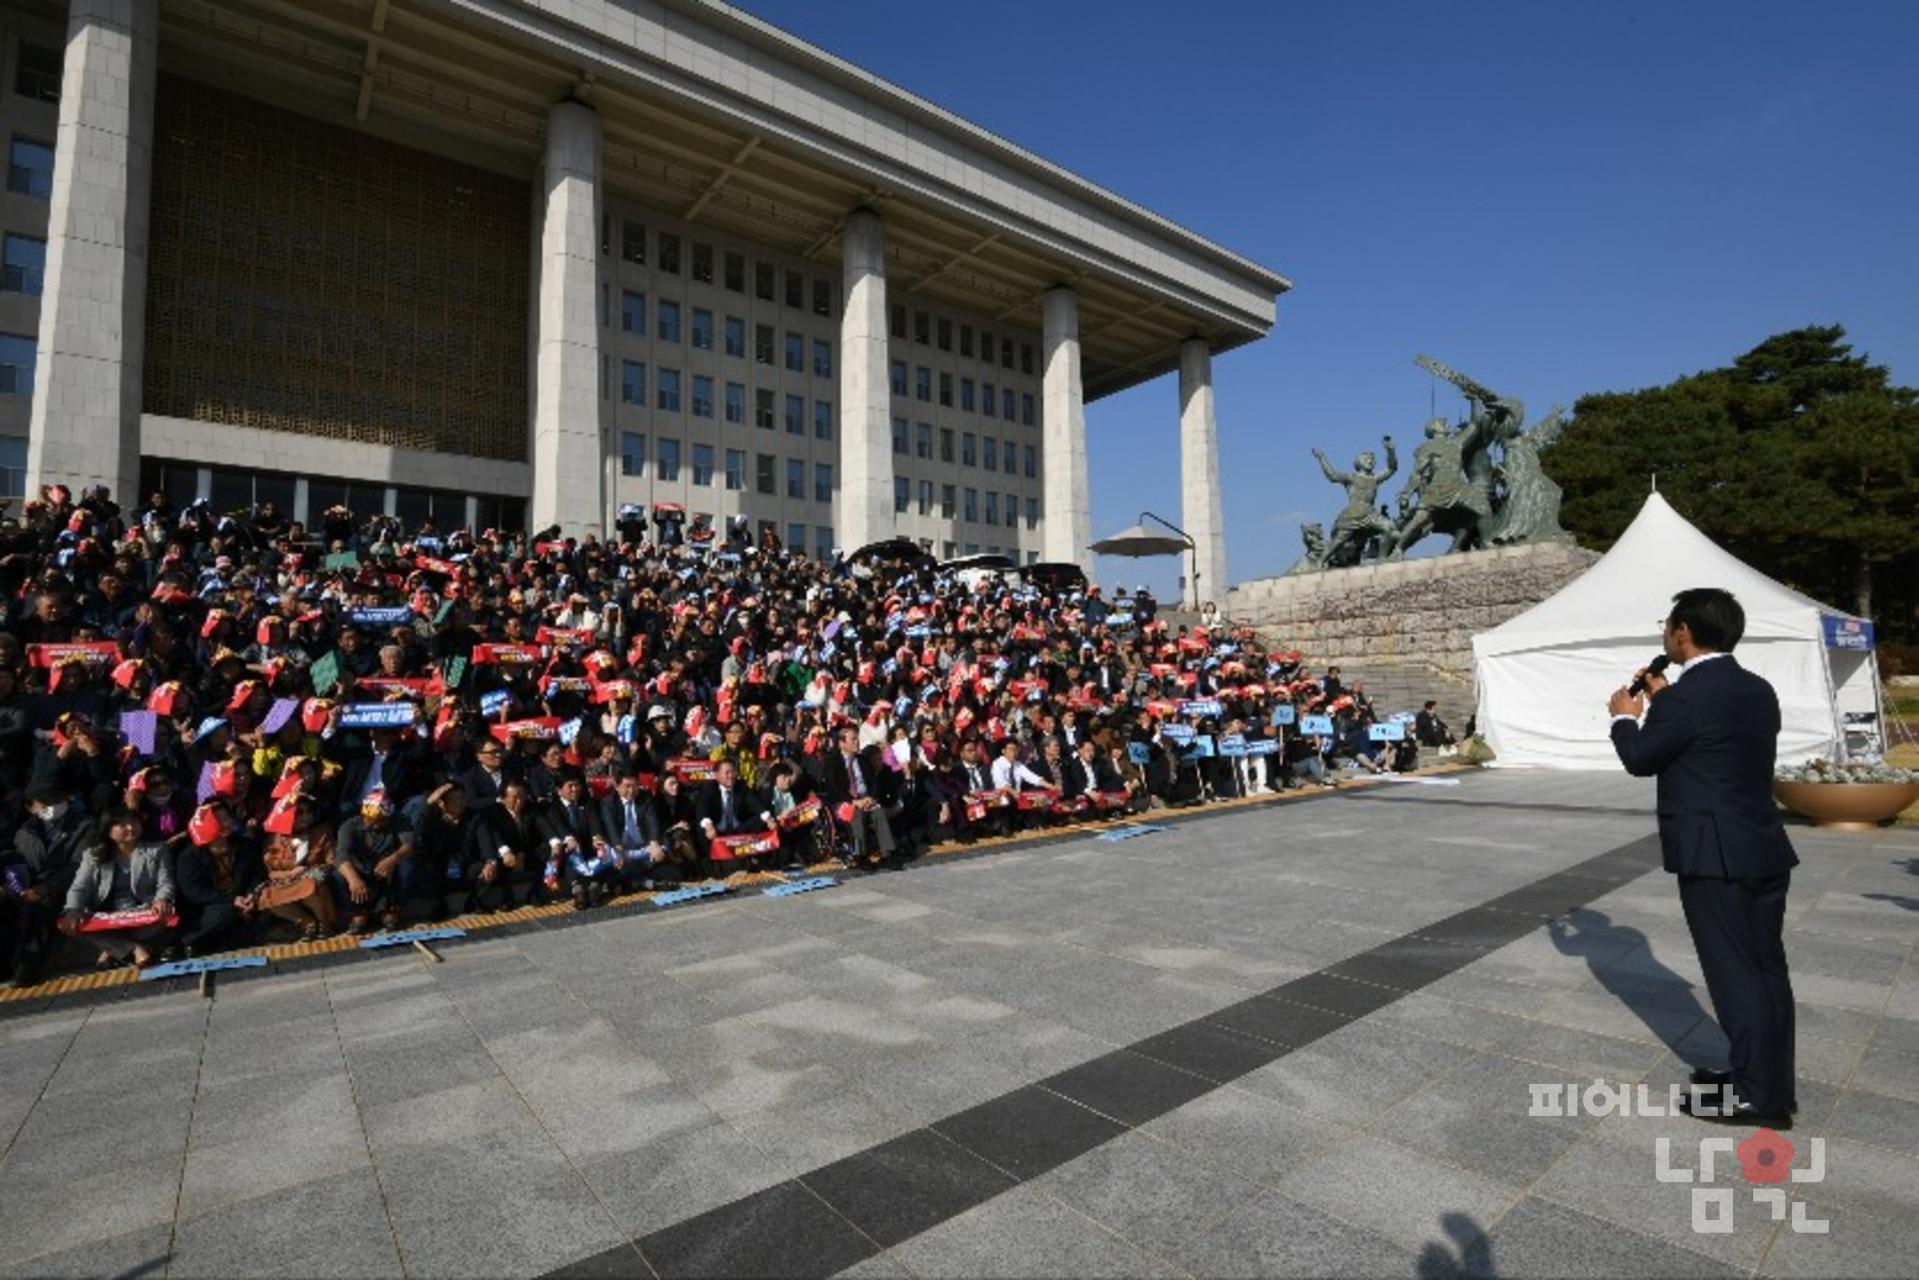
803,814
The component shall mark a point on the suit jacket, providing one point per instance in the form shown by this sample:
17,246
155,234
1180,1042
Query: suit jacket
836,783
583,823
613,818
1104,777
1710,738
747,807
150,876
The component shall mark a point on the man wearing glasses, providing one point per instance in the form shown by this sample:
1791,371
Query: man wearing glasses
1709,736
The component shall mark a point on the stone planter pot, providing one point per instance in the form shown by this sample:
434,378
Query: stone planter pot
1846,806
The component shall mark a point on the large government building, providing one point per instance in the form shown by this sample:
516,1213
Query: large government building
525,262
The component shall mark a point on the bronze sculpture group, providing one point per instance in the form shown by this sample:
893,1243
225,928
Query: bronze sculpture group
1479,483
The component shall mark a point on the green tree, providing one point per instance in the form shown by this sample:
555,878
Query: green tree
1800,458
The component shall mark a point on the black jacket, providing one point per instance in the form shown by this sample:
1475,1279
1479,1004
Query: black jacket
582,823
748,805
1710,738
613,818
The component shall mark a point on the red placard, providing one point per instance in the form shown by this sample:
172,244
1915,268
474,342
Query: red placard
543,728
1038,798
95,653
138,918
693,769
507,654
803,814
745,844
978,803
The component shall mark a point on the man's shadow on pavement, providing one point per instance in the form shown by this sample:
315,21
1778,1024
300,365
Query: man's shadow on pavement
1661,998
1466,1254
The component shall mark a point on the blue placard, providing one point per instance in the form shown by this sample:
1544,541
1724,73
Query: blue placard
569,730
692,893
491,703
409,937
1284,714
1130,833
1177,732
1139,752
1316,726
1202,748
1233,744
378,715
187,968
1390,731
1262,747
1847,633
807,885
380,615
1201,707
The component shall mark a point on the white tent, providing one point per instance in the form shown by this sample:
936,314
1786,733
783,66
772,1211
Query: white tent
1545,675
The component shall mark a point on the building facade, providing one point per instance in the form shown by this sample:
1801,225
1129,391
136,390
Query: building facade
526,262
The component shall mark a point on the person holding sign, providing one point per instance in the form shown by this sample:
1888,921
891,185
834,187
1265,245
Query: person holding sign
128,877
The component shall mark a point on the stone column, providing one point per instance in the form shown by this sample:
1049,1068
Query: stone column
1200,510
1069,518
86,405
569,440
866,405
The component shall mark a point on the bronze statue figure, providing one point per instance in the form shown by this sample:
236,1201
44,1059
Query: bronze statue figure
1457,488
1359,522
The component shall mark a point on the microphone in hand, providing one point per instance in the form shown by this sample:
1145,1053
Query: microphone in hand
1654,668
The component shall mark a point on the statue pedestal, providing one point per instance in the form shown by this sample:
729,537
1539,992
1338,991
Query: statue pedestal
1409,614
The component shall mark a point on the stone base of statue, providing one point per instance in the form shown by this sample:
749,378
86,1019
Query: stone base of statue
1405,627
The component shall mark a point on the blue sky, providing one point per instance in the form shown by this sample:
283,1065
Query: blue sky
1554,198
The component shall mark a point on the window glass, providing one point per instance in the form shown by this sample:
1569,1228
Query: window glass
633,312
18,356
30,168
669,456
633,241
25,264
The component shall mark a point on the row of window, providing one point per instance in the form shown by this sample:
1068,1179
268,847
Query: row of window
954,500
30,168
666,468
666,328
229,488
666,396
818,294
1001,402
995,455
937,331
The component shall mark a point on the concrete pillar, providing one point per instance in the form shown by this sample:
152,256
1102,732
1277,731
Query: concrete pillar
1068,532
86,405
1199,505
569,438
866,434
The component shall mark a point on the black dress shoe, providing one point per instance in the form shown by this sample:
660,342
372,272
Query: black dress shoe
1742,1114
1709,1078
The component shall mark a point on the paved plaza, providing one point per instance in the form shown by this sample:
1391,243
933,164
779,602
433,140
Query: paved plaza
1296,1039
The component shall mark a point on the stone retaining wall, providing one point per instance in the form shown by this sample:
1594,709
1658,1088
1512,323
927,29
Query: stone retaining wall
1410,611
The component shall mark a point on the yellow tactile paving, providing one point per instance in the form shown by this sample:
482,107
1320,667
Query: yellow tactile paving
69,984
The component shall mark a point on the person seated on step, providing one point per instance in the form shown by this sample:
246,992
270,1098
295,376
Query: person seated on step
728,807
445,869
508,851
374,866
632,824
219,873
123,875
579,859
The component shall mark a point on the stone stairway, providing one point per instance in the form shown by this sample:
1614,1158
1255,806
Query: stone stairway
1405,686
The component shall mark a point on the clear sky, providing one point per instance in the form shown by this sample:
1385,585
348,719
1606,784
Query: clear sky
1554,198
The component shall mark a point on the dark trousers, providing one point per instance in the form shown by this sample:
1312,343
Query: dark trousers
1737,928
208,926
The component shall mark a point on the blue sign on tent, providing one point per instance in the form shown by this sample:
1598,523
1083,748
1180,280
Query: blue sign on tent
1847,633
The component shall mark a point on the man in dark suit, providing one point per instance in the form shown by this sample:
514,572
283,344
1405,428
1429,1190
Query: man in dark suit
850,785
728,806
1710,738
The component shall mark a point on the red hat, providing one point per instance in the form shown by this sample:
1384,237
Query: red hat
127,672
225,778
241,692
263,633
167,699
313,713
213,619
206,825
279,820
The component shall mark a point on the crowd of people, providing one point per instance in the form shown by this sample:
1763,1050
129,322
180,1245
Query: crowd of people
218,729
